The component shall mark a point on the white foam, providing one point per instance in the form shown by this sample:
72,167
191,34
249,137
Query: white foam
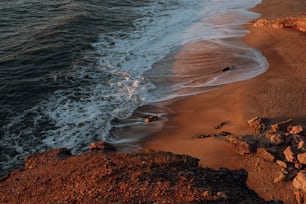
116,85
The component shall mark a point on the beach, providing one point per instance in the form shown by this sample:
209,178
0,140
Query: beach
277,94
189,158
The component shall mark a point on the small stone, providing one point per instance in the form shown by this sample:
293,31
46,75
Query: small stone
282,126
302,158
201,136
221,195
264,154
295,130
223,134
299,182
289,155
151,118
301,145
276,139
206,194
281,163
280,177
106,147
298,166
227,69
219,126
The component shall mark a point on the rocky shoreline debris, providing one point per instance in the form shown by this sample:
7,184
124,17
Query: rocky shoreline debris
295,22
282,143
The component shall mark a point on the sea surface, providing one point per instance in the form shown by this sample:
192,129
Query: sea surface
72,70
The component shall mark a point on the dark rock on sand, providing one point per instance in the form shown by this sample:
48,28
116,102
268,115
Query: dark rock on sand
219,126
202,136
226,69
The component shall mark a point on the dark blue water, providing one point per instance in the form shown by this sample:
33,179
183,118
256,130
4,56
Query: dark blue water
69,68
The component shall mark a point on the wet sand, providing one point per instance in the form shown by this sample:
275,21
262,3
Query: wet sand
276,94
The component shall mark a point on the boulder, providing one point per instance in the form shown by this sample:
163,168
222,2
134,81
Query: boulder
289,154
281,163
264,154
276,139
281,126
239,145
258,123
302,158
299,182
295,130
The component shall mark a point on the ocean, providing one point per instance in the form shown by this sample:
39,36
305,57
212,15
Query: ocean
74,71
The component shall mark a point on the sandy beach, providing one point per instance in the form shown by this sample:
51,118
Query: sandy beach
277,94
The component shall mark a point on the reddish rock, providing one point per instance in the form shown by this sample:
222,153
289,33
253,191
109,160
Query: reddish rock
258,123
301,145
104,146
281,126
281,163
276,139
281,177
302,158
299,197
295,130
264,154
289,154
298,166
239,145
299,182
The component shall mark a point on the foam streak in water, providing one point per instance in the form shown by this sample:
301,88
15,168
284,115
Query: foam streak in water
108,82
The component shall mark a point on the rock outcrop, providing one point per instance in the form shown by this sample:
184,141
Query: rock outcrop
282,143
56,176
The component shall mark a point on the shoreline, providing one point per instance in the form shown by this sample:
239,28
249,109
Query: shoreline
277,94
213,172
